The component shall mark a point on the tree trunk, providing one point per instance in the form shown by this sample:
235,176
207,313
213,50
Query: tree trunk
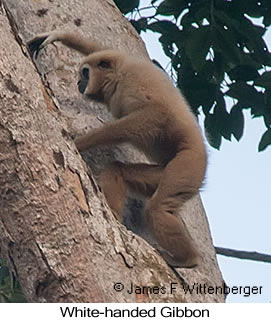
56,231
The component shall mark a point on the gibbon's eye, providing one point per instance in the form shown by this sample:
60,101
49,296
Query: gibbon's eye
104,64
85,73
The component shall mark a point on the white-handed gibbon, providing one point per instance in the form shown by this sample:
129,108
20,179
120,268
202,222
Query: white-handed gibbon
152,115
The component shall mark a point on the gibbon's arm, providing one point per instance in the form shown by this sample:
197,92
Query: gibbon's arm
71,40
127,129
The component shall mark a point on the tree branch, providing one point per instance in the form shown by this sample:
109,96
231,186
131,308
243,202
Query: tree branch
249,255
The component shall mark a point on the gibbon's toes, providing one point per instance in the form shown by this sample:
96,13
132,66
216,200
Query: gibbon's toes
36,44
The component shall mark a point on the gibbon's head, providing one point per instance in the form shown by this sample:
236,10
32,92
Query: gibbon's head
97,75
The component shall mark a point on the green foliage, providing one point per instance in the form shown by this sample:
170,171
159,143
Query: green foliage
266,140
10,291
216,50
126,6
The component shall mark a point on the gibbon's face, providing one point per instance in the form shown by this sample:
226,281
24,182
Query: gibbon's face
94,77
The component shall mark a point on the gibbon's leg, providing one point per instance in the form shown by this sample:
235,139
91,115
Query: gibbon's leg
69,39
153,181
118,177
179,182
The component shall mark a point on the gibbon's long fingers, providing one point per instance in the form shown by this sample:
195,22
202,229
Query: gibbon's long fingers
36,44
71,40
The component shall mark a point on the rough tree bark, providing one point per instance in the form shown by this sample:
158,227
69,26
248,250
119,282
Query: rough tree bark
56,231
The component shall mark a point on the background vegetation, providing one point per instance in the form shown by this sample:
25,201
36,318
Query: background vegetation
217,51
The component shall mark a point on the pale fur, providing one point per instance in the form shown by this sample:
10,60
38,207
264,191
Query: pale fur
153,116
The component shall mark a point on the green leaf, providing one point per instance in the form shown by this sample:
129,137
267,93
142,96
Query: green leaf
237,122
197,91
264,80
224,42
254,42
140,25
267,110
126,6
169,33
267,19
197,46
265,141
221,117
211,131
171,7
220,66
254,8
167,46
247,95
198,11
165,27
243,73
208,72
